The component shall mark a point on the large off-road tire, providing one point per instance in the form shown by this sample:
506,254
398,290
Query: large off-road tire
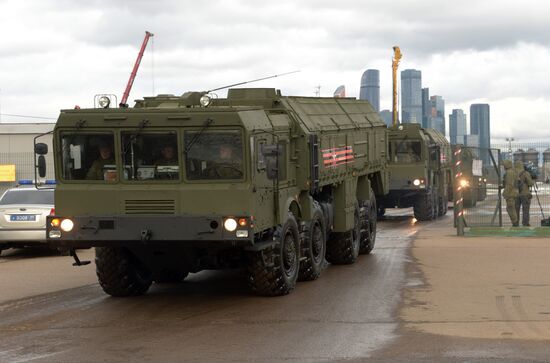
380,212
343,248
368,216
274,271
442,205
423,207
435,204
481,193
120,273
313,246
469,198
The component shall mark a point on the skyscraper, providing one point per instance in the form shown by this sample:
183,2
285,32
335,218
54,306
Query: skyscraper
471,140
411,96
370,88
340,92
480,124
457,127
436,119
426,106
387,116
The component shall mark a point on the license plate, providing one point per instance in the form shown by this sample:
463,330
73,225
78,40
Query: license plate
23,217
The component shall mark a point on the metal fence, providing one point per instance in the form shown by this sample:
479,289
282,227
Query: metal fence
479,201
24,167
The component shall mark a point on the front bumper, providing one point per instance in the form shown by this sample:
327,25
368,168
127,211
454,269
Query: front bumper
402,198
101,231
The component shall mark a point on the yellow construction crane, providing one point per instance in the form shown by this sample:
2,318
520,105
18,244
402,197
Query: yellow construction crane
394,65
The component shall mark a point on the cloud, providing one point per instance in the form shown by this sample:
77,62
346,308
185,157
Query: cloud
55,54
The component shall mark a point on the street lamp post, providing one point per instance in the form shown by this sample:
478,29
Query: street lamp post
510,139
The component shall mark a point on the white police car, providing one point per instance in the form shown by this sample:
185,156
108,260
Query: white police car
23,211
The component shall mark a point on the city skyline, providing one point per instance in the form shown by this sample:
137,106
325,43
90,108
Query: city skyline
56,55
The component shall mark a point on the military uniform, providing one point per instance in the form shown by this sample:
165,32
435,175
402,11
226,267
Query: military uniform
96,170
225,171
511,192
524,199
162,162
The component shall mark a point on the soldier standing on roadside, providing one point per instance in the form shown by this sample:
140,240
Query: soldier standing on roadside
511,191
525,182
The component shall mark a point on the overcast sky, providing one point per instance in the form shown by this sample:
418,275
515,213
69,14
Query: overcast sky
58,54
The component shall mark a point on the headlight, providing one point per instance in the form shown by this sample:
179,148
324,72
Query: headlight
104,101
230,224
67,225
416,182
55,222
464,183
205,100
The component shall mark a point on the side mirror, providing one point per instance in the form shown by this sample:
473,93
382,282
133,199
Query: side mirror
41,149
42,164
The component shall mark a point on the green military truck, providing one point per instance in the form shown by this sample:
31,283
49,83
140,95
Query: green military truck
472,178
257,180
420,171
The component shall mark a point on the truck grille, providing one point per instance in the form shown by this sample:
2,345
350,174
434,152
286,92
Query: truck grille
152,206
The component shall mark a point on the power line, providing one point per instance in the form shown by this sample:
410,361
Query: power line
27,116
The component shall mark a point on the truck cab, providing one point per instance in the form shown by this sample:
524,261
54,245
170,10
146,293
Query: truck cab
419,168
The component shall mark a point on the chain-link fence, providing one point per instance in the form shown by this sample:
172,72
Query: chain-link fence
24,167
478,185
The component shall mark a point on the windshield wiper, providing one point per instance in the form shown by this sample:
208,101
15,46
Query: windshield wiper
195,138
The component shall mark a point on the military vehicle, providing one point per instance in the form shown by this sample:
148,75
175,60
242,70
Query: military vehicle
175,185
473,178
420,171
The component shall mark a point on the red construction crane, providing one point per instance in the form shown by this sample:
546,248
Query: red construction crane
134,71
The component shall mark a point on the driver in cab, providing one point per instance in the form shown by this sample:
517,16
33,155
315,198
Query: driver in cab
228,165
96,171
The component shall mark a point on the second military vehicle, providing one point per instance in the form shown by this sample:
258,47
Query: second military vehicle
180,184
472,178
420,171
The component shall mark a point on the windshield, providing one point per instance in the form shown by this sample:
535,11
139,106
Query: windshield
214,155
88,157
407,151
27,196
150,156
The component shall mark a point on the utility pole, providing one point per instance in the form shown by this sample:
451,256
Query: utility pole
395,64
318,91
510,139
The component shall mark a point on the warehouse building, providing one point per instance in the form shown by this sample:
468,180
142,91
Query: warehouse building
16,151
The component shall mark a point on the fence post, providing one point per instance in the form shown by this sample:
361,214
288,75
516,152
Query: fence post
458,195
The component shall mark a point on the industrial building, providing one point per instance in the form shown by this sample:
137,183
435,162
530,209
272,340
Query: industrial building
16,151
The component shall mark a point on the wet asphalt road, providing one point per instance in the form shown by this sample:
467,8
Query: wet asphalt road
350,314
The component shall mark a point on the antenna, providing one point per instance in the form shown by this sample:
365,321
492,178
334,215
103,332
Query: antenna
254,80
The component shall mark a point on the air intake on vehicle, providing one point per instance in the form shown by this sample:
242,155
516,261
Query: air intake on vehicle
152,206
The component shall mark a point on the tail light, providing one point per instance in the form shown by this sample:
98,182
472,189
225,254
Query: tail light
52,212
